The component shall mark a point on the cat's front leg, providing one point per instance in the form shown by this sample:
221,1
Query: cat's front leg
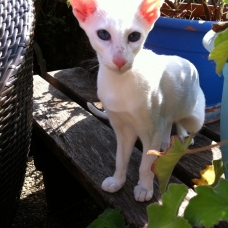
126,138
144,190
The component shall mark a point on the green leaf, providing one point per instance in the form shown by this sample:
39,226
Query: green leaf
221,37
165,215
209,206
218,169
110,218
68,3
220,53
164,165
226,165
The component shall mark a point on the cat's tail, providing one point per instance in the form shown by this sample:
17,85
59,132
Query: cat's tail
97,112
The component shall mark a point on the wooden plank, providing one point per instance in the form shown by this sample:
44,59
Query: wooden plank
214,127
77,79
77,84
84,85
87,149
212,130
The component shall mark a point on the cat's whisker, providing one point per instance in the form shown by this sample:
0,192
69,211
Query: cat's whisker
92,65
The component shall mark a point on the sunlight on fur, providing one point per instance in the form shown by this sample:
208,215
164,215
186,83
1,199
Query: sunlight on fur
142,93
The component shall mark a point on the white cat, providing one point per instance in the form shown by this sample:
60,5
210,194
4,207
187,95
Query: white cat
142,93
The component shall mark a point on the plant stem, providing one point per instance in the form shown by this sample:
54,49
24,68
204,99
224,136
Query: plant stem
206,147
193,151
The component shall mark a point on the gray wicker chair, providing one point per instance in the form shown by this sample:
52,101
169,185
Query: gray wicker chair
16,72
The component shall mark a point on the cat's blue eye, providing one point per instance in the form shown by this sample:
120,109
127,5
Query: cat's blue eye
134,36
103,34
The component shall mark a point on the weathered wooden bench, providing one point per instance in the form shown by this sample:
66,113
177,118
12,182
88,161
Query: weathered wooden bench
71,144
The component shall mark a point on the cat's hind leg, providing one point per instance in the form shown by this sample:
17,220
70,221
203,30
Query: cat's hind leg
194,122
182,133
191,124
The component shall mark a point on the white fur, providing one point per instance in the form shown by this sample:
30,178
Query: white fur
144,97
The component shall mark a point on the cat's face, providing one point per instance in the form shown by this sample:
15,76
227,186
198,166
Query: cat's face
117,29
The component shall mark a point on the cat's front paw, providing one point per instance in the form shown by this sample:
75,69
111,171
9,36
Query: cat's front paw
142,194
110,184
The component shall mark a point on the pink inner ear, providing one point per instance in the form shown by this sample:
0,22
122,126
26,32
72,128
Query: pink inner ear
83,8
150,10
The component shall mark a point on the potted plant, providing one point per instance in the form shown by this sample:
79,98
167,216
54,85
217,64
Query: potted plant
179,31
216,42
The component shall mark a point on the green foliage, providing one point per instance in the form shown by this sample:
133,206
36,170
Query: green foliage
165,215
68,3
209,206
226,165
218,169
164,165
111,218
220,52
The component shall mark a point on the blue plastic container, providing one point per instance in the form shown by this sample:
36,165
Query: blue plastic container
182,37
224,118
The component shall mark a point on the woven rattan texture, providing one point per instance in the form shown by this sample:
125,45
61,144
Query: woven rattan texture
16,71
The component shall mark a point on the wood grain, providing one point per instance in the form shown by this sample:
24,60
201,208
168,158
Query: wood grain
87,147
83,85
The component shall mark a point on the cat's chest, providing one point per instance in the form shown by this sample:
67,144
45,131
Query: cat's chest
121,94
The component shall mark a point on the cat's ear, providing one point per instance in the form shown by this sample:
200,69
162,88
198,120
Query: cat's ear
83,8
150,10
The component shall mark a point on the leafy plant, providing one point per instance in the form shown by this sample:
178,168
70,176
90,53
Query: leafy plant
164,165
207,208
220,52
212,11
165,215
110,218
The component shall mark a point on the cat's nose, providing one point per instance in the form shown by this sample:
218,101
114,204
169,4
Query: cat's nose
119,62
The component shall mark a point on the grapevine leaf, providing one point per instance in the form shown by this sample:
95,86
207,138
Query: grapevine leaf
221,37
110,218
164,165
220,49
209,206
220,56
165,215
211,174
